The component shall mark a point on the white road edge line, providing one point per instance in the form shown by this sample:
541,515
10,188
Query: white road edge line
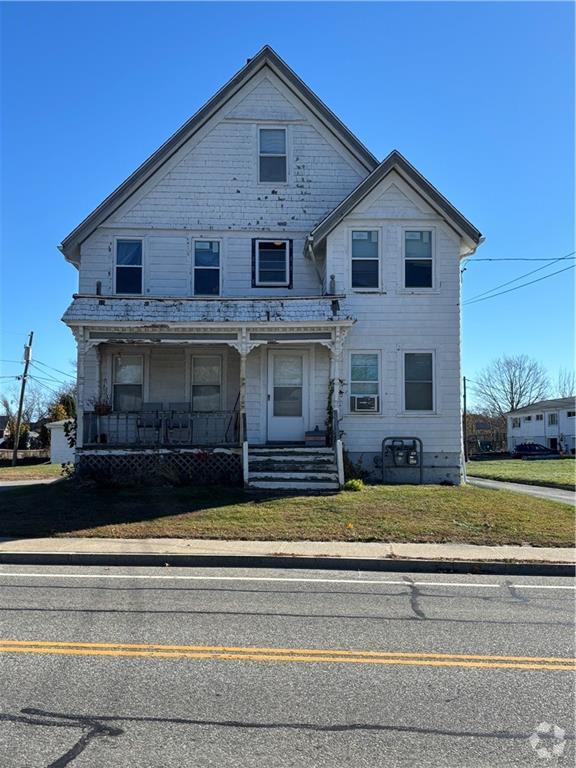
284,579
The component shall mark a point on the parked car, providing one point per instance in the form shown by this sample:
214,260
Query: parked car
533,449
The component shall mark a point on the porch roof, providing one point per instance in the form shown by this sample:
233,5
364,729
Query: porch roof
181,312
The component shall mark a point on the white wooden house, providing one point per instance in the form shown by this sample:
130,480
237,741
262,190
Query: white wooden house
551,423
260,276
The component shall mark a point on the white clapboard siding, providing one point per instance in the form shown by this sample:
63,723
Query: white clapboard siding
167,266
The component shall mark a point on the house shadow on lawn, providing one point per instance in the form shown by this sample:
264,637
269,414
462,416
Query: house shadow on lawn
72,507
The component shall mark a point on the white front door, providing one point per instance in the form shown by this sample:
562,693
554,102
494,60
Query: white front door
287,395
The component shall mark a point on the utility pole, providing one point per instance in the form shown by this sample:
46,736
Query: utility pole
27,358
464,424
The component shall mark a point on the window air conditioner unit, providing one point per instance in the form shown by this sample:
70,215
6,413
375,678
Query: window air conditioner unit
364,403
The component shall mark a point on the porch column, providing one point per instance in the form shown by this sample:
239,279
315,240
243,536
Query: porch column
81,352
243,356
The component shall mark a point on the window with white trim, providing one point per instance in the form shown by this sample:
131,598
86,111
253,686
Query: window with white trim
418,258
206,376
272,263
127,381
129,266
365,256
418,381
571,414
527,418
206,268
516,423
552,419
272,157
364,382
539,417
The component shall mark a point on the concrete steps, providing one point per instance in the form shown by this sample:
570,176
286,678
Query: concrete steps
292,468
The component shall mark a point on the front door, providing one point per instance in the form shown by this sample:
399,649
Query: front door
287,395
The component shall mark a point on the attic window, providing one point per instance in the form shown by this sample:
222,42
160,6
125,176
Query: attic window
272,154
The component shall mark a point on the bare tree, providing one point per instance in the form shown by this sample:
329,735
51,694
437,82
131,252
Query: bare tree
566,383
509,383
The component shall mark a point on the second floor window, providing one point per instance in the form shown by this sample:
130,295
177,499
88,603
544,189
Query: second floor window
272,263
129,266
539,417
206,268
365,259
515,423
272,155
552,419
418,259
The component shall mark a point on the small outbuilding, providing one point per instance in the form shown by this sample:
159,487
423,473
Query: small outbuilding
60,450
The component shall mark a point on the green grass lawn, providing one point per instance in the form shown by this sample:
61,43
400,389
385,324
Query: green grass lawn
556,473
31,472
378,513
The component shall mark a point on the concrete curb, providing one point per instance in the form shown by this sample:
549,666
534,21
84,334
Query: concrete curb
147,560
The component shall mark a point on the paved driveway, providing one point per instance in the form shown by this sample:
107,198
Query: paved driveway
553,494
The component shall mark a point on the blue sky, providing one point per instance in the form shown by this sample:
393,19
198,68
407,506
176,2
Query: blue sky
478,96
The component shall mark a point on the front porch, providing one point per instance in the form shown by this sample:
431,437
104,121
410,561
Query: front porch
204,388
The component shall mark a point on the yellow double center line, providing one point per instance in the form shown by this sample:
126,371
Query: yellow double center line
299,655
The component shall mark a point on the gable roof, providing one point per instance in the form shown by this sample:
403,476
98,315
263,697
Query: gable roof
543,405
395,162
266,57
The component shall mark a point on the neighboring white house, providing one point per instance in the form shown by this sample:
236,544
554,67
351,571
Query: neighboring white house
549,422
261,275
60,450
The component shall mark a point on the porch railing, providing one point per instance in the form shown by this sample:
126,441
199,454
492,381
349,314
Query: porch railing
161,428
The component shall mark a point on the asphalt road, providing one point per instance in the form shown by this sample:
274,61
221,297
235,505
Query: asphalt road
165,668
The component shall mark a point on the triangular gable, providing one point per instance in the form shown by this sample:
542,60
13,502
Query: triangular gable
397,162
266,57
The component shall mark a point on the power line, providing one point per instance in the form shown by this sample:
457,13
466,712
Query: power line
517,287
515,280
53,391
51,378
520,258
68,375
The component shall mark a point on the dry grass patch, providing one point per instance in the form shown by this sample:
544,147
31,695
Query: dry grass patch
31,472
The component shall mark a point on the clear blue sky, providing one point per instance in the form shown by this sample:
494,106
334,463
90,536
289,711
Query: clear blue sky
478,96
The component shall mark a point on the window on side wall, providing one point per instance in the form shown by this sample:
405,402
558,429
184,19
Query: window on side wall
552,419
128,376
571,414
364,382
418,381
206,383
206,268
129,266
527,418
516,423
272,155
365,259
272,263
418,272
539,417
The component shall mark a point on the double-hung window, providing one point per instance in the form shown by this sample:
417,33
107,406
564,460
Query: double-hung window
552,419
272,155
364,382
418,272
272,264
128,376
206,268
206,383
365,259
418,381
539,417
129,266
516,423
571,414
527,418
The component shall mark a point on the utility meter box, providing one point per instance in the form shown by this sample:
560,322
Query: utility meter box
401,453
